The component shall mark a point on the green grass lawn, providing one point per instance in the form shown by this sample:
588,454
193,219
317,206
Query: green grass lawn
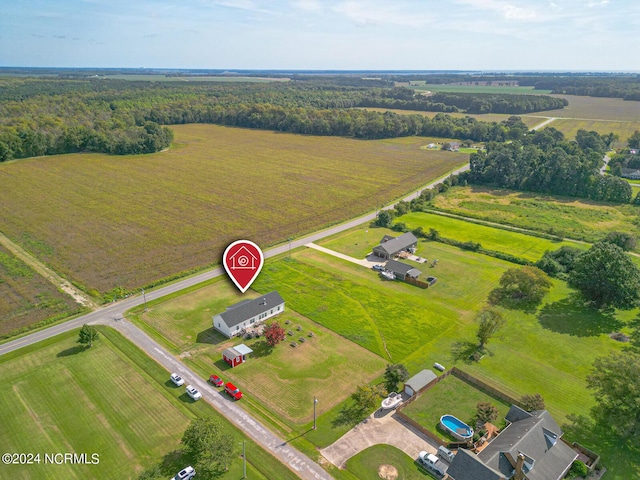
283,379
366,465
518,244
357,242
565,216
452,396
111,399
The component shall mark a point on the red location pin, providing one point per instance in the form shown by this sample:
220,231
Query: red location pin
243,261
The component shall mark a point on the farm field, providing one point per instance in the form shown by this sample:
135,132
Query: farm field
569,217
481,89
452,396
623,129
366,465
596,108
103,221
285,379
27,298
518,244
111,400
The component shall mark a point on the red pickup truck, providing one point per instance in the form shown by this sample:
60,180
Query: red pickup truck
232,390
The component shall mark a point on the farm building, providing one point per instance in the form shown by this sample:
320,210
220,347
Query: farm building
248,313
631,173
402,270
418,382
391,246
529,448
234,356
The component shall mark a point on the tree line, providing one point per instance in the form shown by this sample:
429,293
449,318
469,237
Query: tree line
546,162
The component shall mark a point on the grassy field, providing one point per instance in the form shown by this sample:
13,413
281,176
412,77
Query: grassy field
26,298
112,400
111,221
366,465
624,129
518,244
481,89
564,216
452,396
325,365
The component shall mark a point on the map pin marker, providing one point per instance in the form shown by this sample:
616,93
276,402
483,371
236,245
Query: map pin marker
243,261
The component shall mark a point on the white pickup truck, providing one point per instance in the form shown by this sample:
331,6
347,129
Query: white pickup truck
432,463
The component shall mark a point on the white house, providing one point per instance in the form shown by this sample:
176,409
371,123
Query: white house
248,313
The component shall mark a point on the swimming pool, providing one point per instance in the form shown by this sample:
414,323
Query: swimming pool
455,427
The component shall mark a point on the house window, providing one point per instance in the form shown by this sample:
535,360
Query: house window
278,308
272,311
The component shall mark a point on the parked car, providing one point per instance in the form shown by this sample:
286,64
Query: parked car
378,268
216,380
433,463
193,392
185,474
177,379
232,390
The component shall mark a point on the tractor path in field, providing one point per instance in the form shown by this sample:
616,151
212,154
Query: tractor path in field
45,272
378,428
301,464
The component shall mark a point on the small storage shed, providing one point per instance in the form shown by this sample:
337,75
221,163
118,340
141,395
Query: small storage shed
234,356
418,382
402,270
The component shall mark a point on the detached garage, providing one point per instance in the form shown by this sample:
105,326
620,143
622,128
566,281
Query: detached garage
418,382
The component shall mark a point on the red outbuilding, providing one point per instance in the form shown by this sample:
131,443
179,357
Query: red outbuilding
234,356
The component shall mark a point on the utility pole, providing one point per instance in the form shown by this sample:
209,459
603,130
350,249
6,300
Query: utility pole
315,402
244,459
145,300
290,238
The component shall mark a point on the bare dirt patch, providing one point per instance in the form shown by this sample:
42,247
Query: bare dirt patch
387,472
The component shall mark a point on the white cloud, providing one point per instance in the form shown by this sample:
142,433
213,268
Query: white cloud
365,13
505,9
307,5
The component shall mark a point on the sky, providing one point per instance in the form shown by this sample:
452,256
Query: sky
591,35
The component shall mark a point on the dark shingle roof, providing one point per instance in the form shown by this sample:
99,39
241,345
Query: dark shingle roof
466,466
399,243
244,310
538,437
402,268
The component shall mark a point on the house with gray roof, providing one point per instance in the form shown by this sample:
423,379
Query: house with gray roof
529,448
402,270
248,313
391,246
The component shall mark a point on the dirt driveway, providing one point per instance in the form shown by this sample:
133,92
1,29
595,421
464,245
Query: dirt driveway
379,428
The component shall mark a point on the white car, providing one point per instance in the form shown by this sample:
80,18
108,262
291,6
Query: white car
177,379
185,474
193,393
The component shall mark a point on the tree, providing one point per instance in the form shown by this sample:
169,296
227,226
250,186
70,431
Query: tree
634,140
385,218
607,277
559,262
625,241
615,380
88,334
274,333
489,322
367,396
485,413
210,446
526,284
394,374
532,402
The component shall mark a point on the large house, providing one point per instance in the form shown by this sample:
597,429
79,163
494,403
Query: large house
391,246
402,270
529,448
248,313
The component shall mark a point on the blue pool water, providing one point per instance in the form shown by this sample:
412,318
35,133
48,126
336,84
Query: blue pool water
456,427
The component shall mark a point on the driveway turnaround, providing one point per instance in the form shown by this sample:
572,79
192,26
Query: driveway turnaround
378,428
302,465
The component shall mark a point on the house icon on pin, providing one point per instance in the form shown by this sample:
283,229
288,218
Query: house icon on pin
243,259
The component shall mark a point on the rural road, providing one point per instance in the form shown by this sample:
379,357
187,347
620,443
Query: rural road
113,315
